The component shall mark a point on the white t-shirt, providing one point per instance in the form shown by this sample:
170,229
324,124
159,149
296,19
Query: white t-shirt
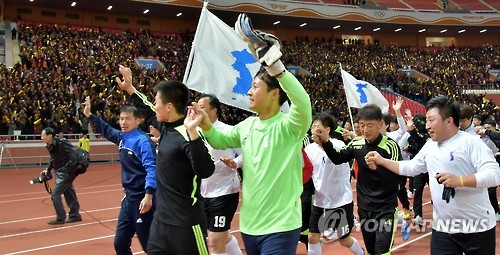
400,136
332,182
224,180
461,155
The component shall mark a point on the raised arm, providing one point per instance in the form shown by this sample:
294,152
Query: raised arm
113,135
139,100
401,120
300,115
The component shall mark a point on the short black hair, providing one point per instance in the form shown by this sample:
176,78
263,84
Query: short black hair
272,83
466,112
327,120
49,131
388,119
131,109
490,122
213,101
174,92
447,107
370,112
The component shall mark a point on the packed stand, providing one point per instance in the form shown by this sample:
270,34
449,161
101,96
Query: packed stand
61,65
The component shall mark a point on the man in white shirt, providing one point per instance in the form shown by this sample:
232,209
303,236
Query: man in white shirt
221,190
333,192
464,220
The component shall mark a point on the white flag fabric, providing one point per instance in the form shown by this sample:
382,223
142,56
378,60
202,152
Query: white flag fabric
360,93
221,63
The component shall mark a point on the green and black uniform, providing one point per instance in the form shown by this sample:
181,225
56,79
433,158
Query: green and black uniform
376,190
272,170
179,223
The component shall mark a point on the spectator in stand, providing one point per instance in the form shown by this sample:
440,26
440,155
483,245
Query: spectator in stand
56,73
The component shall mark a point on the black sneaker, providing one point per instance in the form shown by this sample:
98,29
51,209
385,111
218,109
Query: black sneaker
75,219
56,222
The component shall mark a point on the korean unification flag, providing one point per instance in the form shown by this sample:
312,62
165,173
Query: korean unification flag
360,93
221,63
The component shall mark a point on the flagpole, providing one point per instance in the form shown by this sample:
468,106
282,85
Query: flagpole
345,92
191,53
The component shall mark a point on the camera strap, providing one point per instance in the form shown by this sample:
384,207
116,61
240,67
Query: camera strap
47,187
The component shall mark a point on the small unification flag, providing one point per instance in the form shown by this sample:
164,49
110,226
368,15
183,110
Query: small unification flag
360,93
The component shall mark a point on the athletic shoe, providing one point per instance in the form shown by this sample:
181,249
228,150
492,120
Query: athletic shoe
75,219
406,231
409,194
419,221
56,222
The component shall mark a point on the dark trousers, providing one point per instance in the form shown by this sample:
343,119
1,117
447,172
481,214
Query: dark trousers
482,243
378,228
65,187
130,221
306,201
492,193
283,243
177,240
403,197
419,182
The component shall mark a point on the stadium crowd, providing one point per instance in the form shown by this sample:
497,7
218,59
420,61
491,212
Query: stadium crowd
60,65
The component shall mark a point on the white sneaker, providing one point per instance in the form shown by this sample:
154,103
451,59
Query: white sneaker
409,194
498,216
420,221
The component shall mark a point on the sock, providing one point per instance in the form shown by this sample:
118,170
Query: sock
314,249
232,248
355,248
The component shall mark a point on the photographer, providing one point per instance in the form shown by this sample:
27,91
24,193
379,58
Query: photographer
62,159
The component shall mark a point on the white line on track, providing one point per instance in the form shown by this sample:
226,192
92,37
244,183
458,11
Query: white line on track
58,228
44,197
412,241
51,216
60,245
43,192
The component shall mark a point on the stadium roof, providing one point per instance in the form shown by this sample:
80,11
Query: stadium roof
136,8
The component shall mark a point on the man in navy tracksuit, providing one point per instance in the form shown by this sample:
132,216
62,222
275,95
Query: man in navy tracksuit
137,157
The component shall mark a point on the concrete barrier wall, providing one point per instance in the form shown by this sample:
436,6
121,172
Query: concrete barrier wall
35,153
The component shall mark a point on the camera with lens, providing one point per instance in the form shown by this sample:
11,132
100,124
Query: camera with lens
42,178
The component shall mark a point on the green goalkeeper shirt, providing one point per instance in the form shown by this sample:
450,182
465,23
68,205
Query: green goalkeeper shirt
272,165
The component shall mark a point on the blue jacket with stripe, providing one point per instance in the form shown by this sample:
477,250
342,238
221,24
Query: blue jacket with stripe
137,156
